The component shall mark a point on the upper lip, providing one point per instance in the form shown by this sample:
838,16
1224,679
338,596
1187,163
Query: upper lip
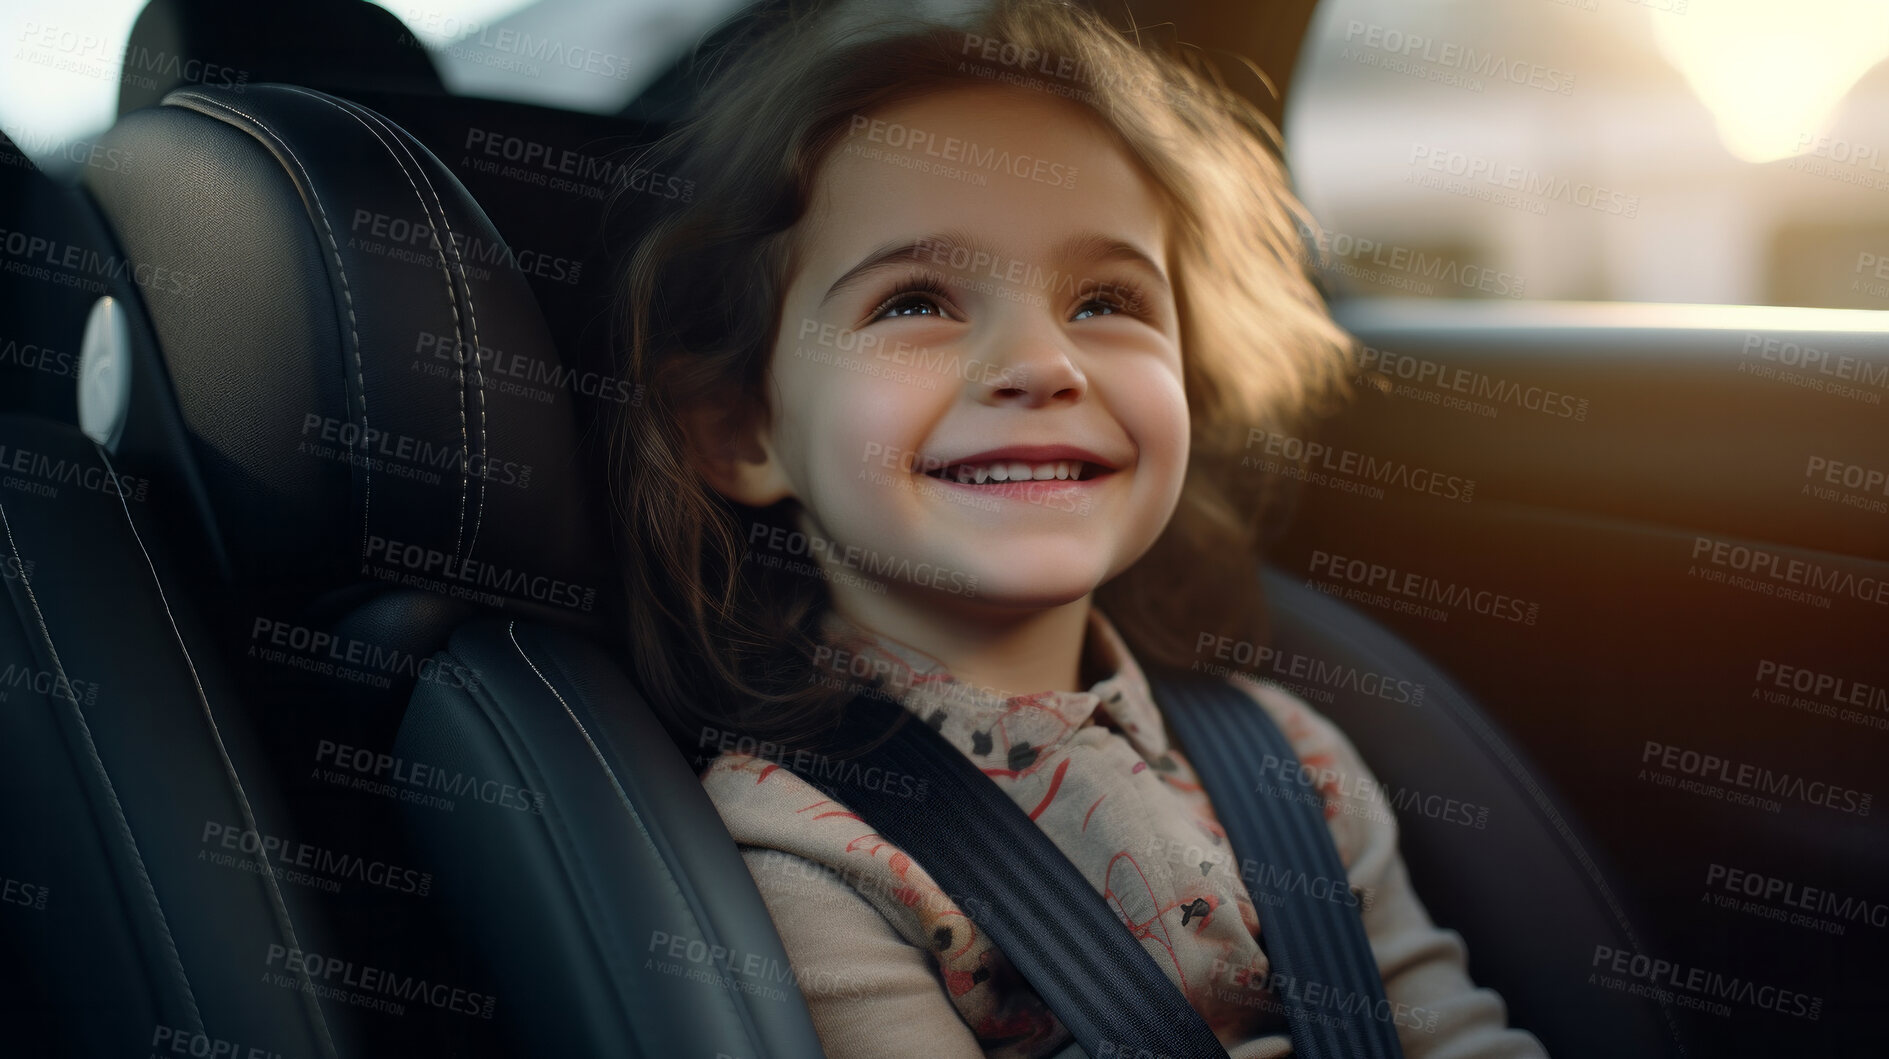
1024,454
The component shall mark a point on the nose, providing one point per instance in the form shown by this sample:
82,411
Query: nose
1035,369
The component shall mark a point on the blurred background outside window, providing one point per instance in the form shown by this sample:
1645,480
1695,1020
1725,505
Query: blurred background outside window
1715,151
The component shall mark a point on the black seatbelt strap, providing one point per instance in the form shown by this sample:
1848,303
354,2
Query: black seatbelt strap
1322,970
1014,884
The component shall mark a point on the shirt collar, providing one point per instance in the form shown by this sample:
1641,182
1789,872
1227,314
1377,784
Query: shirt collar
988,722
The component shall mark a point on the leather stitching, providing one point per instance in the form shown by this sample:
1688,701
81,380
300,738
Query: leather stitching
111,794
360,377
452,301
684,891
584,886
472,315
276,904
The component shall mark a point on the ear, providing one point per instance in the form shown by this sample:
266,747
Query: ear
735,455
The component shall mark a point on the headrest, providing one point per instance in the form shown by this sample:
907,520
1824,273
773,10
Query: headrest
367,387
333,45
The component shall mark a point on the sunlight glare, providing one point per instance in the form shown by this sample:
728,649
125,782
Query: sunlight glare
1772,73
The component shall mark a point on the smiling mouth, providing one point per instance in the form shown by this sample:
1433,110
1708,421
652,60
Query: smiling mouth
1000,472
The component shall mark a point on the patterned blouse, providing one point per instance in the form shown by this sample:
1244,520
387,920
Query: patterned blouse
890,964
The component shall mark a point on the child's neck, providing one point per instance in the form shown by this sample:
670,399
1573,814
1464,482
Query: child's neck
1032,651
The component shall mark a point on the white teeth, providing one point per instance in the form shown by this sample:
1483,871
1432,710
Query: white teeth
1014,471
967,474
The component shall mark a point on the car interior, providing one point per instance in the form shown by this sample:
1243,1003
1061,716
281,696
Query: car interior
320,737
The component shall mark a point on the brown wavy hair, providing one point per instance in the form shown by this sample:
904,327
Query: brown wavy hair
722,643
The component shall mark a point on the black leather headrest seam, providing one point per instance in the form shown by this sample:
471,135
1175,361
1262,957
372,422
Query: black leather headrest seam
364,373
457,292
458,288
201,101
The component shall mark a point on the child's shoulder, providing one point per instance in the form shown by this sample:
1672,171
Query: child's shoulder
760,800
766,804
770,810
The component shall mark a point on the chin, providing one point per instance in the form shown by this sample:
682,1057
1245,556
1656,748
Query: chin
1029,586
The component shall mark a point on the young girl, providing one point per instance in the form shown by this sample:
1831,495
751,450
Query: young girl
955,350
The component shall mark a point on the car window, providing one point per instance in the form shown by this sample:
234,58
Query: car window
59,87
575,55
1715,151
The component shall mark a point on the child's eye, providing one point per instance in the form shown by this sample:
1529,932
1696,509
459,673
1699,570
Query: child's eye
908,305
1118,300
918,296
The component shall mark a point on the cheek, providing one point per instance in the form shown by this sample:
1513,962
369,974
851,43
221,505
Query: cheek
799,413
843,433
1174,423
1152,406
861,453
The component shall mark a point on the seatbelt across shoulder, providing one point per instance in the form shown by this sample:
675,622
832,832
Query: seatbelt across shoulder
1064,938
1316,945
1015,886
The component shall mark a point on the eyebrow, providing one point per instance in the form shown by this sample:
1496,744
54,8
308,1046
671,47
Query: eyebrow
1087,246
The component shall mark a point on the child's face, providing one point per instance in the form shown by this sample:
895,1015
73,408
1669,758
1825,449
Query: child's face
1053,327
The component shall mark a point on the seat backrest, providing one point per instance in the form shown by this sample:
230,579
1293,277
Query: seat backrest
618,909
132,799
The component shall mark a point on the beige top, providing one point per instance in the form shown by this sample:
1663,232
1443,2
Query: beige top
891,966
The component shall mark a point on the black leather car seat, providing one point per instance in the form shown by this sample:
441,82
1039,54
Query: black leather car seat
127,923
367,486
